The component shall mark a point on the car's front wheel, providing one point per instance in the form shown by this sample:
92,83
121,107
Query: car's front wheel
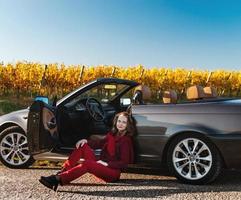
14,151
194,159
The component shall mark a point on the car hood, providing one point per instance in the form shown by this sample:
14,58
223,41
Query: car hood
18,118
18,112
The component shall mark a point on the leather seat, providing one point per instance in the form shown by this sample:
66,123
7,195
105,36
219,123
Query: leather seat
169,96
142,93
210,92
195,92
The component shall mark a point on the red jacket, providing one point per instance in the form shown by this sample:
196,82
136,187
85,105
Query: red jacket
117,151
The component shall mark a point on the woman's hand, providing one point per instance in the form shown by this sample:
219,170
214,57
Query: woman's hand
102,162
80,143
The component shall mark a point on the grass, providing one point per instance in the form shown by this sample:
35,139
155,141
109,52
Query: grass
6,107
11,103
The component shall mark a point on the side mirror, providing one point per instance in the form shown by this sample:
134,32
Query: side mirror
125,101
42,98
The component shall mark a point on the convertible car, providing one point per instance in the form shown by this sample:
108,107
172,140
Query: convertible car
194,139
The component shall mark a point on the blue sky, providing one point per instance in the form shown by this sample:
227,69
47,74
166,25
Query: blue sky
195,34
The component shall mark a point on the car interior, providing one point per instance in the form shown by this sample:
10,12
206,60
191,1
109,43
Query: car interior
90,114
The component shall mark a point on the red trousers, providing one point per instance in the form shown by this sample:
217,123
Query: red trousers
74,171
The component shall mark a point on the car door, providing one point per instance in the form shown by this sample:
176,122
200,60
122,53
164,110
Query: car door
42,131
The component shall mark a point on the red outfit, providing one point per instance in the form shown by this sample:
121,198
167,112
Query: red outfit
117,151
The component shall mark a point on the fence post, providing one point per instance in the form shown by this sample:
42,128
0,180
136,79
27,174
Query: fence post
209,77
162,78
189,74
113,71
43,80
229,76
81,73
142,72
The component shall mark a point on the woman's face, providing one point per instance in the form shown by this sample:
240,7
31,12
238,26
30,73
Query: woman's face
121,123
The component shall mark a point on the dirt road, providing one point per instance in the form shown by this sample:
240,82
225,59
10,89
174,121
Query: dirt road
23,184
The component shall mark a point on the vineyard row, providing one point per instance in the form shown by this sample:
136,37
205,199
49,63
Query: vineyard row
35,78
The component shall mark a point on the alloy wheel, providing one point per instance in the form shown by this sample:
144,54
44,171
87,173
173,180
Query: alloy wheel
192,158
14,149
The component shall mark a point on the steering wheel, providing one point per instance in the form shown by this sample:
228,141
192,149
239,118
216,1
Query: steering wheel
95,109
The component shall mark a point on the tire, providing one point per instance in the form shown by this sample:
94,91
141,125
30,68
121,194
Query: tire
200,163
14,151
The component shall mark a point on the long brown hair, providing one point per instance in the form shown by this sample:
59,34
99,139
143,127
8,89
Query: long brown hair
131,129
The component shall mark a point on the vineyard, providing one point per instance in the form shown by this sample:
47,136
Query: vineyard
30,79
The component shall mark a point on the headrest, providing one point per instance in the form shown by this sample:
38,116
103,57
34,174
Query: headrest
210,92
195,92
146,92
169,97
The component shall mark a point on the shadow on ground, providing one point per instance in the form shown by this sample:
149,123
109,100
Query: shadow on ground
229,181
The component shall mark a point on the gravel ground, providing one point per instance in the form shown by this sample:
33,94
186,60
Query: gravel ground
23,184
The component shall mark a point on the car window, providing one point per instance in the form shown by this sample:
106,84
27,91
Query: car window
103,93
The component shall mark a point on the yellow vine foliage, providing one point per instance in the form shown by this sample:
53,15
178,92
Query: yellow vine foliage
59,79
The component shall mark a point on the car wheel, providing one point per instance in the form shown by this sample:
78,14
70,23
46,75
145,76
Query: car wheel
14,151
194,159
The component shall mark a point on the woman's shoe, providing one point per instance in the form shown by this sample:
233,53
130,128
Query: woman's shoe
50,182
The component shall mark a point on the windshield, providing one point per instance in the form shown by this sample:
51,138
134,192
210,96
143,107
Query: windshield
104,93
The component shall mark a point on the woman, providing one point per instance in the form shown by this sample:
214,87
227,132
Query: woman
117,153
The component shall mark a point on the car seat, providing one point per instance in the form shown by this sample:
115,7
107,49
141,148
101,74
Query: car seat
142,93
210,92
169,96
195,92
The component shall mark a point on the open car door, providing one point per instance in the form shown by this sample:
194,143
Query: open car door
42,132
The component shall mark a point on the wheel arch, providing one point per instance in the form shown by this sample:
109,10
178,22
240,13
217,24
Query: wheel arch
168,143
10,124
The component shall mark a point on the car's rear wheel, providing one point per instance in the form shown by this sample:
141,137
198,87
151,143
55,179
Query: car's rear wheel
194,159
14,152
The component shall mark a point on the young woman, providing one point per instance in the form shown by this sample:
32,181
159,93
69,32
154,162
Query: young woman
116,154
